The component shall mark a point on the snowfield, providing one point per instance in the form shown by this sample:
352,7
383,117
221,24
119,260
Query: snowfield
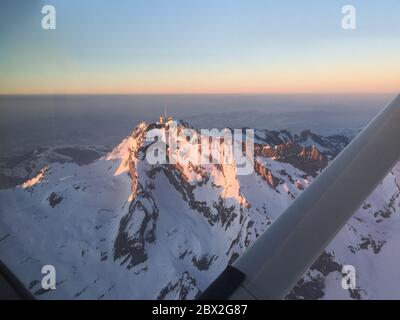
120,228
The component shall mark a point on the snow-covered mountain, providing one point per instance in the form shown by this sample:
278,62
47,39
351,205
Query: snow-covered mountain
118,227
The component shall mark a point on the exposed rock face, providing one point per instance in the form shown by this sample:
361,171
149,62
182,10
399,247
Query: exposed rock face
129,229
54,199
136,229
183,289
314,288
307,159
329,146
186,180
203,262
307,152
267,175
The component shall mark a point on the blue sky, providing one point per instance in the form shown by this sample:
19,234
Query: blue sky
199,46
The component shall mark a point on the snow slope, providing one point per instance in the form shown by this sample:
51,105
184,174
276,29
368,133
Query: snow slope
120,228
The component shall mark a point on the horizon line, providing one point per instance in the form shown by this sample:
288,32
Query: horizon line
198,93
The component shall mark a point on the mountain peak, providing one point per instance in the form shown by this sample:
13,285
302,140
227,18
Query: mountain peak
167,230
